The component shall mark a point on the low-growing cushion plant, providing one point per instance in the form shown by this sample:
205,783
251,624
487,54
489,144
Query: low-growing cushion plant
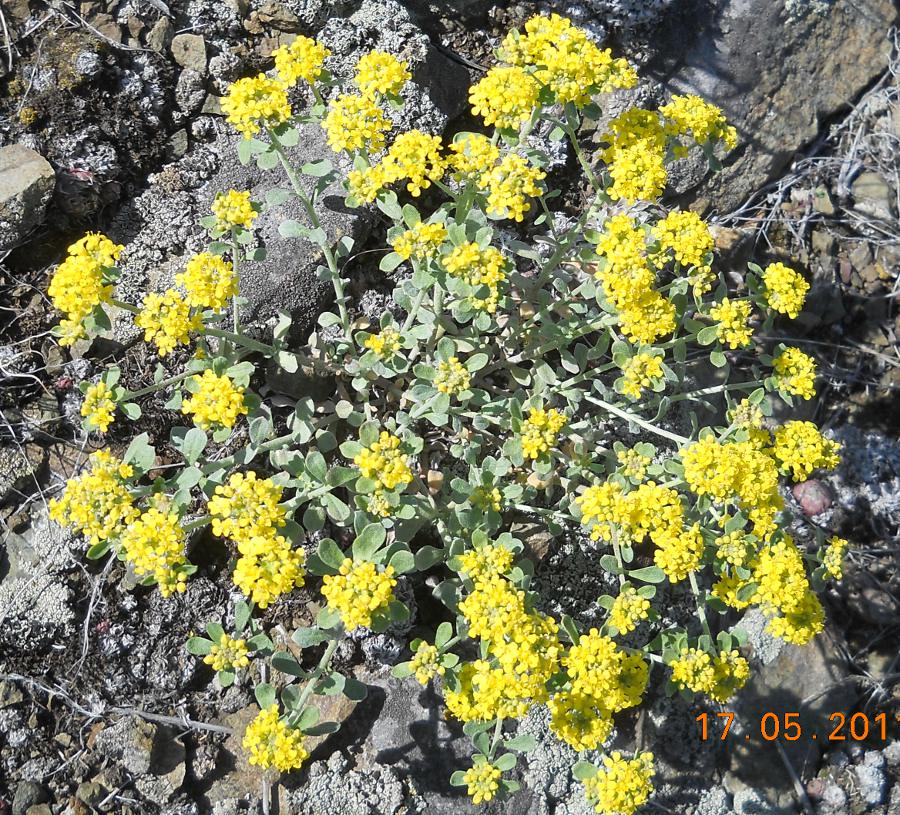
498,388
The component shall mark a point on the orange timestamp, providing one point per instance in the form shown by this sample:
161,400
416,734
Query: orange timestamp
787,726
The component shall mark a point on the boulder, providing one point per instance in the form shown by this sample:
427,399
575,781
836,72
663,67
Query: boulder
189,51
26,185
777,75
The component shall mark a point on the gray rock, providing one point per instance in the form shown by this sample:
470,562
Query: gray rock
18,467
160,36
870,777
776,79
872,195
26,185
189,51
90,792
28,794
190,91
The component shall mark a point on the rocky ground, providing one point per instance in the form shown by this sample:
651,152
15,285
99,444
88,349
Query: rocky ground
109,120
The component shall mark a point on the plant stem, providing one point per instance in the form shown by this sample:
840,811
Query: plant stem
498,733
197,523
240,339
632,417
123,305
235,263
416,305
701,610
172,380
319,670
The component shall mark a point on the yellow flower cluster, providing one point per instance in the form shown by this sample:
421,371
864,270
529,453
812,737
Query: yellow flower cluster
784,593
272,743
833,559
509,184
97,503
380,73
581,721
566,60
704,121
641,371
216,402
209,280
452,377
734,548
301,59
598,668
268,567
785,289
355,123
232,209
167,321
719,677
627,279
482,781
154,543
385,343
247,507
486,498
540,431
481,269
678,552
416,157
737,471
228,654
385,463
78,287
481,563
506,97
360,590
421,241
522,653
98,406
800,449
732,317
635,157
426,664
256,102
686,235
628,609
622,786
633,464
795,373
472,155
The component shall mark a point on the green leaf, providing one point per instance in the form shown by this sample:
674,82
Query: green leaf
521,744
308,637
317,169
98,550
199,646
193,444
323,729
331,684
265,695
402,670
458,779
505,763
403,561
286,663
131,410
390,262
708,335
611,565
308,718
355,690
718,359
582,770
241,616
330,553
649,574
443,634
140,453
368,542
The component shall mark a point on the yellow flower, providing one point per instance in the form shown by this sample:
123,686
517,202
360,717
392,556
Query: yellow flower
256,102
686,235
379,72
426,664
678,551
415,156
622,786
800,449
731,672
97,248
833,558
579,720
726,589
452,377
633,463
365,184
98,407
273,743
641,371
228,654
540,431
268,567
648,318
232,209
597,667
482,781
785,289
734,548
154,543
385,463
732,317
167,321
472,155
217,401
301,59
802,623
481,269
355,123
421,241
795,373
486,498
210,281
509,185
385,343
505,97
694,670
247,508
703,120
628,609
360,591
482,563
635,157
97,503
780,576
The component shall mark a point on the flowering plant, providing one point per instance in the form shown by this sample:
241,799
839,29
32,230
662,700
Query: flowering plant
501,386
